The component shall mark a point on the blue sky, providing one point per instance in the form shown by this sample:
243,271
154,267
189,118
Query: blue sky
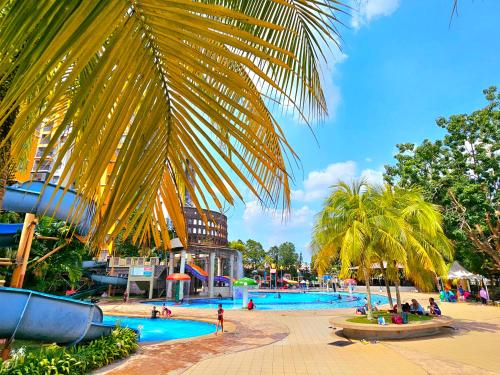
402,65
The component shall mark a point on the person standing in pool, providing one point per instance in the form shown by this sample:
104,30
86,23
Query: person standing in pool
220,319
154,313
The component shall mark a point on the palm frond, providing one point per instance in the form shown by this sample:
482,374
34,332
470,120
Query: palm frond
167,82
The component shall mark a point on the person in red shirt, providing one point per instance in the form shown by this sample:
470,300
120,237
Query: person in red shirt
251,305
220,319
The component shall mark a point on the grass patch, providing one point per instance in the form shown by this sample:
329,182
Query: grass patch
364,320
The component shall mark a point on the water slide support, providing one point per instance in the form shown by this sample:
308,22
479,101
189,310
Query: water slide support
23,251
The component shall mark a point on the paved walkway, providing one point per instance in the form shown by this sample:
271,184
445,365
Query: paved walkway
309,349
302,342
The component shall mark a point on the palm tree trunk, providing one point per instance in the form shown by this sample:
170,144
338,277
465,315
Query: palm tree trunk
369,313
387,286
398,295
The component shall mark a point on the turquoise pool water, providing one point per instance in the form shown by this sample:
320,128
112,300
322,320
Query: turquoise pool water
287,301
162,329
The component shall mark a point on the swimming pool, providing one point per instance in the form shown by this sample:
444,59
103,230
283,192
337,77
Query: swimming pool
162,329
286,301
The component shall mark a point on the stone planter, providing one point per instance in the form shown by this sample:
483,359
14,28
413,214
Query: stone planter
391,331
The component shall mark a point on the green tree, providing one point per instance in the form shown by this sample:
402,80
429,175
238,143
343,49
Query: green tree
408,233
366,226
342,230
288,257
461,173
175,84
254,255
62,269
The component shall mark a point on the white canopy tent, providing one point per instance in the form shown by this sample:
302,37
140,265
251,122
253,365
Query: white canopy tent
457,271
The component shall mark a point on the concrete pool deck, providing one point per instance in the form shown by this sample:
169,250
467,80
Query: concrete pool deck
303,342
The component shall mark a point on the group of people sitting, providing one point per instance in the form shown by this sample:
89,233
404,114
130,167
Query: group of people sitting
407,308
463,295
416,308
165,311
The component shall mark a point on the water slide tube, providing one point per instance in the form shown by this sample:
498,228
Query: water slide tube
7,234
31,197
291,282
31,315
94,290
200,273
109,280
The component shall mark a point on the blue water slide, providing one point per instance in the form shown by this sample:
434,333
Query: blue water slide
195,273
40,199
8,233
30,315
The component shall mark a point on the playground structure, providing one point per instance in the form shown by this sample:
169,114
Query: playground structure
207,245
31,315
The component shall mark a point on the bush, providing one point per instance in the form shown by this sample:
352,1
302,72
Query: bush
80,359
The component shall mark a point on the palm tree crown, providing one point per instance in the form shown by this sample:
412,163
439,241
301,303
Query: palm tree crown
365,225
174,82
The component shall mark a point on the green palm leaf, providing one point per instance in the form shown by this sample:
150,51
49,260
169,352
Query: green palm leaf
177,84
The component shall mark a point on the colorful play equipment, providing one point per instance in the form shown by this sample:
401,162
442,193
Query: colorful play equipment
180,278
202,275
244,283
291,282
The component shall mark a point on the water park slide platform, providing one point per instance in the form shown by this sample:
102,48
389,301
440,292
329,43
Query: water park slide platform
412,330
200,273
30,315
40,199
8,232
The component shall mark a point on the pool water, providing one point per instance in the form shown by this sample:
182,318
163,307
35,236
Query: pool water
162,329
286,301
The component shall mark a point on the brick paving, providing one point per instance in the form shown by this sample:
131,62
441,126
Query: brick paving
303,342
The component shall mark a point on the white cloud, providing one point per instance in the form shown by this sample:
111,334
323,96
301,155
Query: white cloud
256,214
272,228
368,160
364,11
373,176
317,184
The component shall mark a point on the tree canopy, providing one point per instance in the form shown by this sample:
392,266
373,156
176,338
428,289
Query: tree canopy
171,84
461,173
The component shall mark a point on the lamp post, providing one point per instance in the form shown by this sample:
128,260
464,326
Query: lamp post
281,269
265,274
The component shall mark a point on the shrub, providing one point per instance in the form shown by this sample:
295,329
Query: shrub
80,359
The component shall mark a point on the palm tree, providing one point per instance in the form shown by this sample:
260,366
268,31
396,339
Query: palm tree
179,84
395,225
420,246
343,230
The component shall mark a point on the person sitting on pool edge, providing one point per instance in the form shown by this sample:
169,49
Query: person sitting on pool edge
251,305
166,311
154,313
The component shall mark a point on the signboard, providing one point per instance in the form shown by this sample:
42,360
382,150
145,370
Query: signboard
137,271
148,271
273,270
